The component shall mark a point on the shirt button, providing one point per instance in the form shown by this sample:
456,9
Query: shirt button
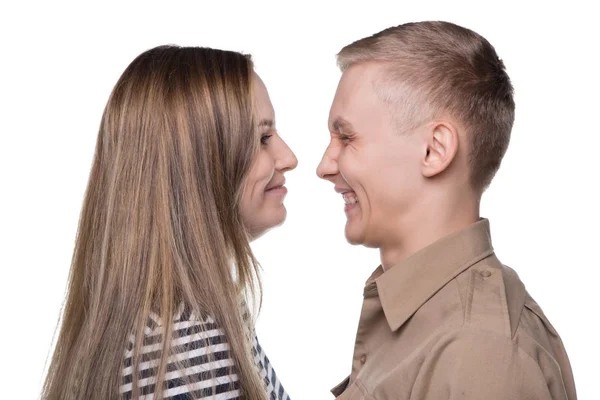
363,359
486,274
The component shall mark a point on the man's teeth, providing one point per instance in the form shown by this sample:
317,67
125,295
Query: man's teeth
350,199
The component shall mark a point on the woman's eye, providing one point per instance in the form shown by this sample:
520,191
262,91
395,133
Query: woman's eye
264,139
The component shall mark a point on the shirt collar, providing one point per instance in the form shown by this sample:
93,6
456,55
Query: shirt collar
405,287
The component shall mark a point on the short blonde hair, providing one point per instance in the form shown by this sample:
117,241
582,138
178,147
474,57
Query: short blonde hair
446,68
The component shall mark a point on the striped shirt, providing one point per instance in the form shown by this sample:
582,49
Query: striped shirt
200,345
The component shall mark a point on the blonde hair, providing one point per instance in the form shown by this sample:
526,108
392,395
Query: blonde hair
160,224
444,68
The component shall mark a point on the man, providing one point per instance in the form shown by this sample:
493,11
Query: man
419,124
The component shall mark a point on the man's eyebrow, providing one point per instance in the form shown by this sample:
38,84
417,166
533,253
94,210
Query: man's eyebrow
266,122
341,125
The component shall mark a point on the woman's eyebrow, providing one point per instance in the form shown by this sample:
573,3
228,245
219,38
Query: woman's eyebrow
269,123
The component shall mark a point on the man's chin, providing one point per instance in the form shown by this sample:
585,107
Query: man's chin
357,236
353,235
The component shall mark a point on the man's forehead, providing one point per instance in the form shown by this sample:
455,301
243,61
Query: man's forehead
355,86
355,77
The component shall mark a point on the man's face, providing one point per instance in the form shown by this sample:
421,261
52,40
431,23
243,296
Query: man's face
371,163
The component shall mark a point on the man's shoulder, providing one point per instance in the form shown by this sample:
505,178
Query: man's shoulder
493,297
497,304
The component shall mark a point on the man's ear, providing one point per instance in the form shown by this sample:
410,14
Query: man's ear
442,147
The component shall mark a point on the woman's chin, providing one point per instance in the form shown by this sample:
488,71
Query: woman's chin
277,218
274,218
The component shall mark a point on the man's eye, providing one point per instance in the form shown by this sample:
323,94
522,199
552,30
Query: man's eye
264,139
345,139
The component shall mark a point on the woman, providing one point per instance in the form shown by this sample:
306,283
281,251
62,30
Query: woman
188,170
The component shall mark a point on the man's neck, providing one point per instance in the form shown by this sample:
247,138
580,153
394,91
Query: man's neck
424,229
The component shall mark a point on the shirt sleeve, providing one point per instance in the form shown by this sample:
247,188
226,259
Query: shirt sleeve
484,365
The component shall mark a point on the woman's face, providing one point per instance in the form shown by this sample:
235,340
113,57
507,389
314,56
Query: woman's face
261,204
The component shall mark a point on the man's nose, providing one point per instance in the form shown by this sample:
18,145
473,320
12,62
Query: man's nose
328,167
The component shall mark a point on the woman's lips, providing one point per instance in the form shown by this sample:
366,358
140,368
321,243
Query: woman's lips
277,190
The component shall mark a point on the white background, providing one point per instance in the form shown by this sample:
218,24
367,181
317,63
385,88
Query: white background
59,62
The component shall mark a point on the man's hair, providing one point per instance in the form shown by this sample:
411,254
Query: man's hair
437,67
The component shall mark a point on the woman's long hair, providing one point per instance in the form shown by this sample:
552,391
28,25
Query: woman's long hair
160,224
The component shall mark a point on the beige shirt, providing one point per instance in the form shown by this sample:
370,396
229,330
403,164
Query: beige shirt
451,322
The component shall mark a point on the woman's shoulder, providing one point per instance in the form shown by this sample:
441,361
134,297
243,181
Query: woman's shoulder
199,364
199,355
